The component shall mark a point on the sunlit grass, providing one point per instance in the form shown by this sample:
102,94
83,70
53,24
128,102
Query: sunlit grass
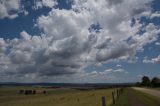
55,97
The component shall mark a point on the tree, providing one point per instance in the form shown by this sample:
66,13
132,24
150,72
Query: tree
155,82
138,84
145,81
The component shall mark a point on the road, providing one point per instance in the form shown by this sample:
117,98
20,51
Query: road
149,91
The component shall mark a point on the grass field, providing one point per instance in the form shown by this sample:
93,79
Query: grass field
9,96
146,99
123,99
56,97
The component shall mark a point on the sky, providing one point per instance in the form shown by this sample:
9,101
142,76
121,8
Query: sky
79,41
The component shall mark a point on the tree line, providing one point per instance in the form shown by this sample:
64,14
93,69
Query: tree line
147,82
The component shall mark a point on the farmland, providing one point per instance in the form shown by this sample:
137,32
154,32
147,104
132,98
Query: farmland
9,96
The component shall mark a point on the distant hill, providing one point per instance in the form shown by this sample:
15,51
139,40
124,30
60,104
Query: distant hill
72,85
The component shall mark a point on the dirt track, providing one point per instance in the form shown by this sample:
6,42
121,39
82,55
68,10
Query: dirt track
149,91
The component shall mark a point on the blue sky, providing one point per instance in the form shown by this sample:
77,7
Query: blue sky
79,40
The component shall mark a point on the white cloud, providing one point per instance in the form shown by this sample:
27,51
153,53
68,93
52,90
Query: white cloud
151,15
25,12
49,3
2,45
9,8
67,46
108,70
119,70
119,65
155,60
108,74
98,64
38,4
155,15
157,43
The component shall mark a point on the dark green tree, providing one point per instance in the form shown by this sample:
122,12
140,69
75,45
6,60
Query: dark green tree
155,82
145,81
138,84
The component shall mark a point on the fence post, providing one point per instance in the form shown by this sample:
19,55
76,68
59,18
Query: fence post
103,101
113,98
117,94
121,91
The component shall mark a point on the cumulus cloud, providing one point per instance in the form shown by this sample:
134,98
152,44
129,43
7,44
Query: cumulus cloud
155,15
108,74
66,46
98,64
118,70
11,8
155,60
151,15
157,43
118,65
2,45
38,4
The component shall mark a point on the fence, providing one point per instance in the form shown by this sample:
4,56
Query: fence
115,96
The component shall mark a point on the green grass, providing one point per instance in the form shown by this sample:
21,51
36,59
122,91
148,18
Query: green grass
57,97
156,88
147,99
70,97
123,99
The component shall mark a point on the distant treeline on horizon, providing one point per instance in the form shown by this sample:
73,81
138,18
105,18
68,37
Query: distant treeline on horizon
93,85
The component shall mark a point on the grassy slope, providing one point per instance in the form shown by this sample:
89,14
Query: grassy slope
123,99
64,97
156,88
147,99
